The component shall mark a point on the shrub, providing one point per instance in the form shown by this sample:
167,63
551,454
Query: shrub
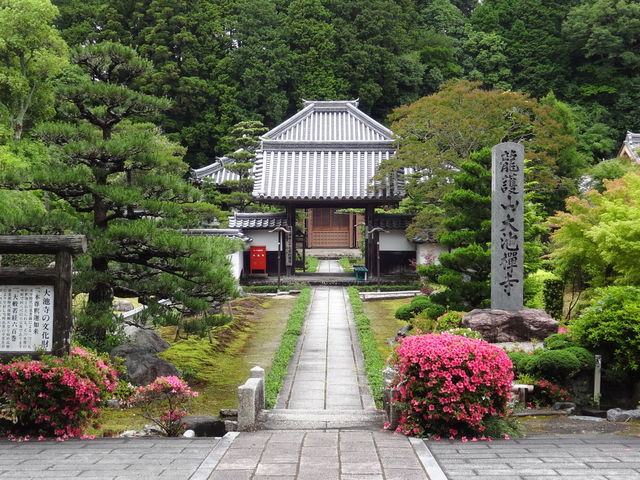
610,325
449,320
450,385
553,296
534,288
520,361
165,402
547,393
553,364
54,396
558,341
420,304
585,357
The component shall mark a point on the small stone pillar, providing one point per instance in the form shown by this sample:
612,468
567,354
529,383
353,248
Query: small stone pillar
251,400
393,415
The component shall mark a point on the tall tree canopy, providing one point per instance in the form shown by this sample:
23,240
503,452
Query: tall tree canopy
32,53
437,133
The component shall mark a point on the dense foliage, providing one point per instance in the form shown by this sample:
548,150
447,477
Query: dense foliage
227,61
611,326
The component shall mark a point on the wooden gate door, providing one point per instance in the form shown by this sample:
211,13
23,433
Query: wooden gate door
328,229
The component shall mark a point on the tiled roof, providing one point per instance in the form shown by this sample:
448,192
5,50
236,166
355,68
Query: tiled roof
218,232
258,221
392,221
215,173
329,121
323,175
327,151
631,146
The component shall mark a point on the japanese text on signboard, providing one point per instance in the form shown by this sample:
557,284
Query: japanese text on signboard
26,318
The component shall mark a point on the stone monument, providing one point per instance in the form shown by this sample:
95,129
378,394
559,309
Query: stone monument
508,320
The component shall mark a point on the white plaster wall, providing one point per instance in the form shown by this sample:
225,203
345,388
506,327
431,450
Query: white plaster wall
262,238
236,264
395,241
426,250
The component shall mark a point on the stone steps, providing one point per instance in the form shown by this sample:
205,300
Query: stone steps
294,419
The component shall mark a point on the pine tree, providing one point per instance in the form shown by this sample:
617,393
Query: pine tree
236,195
123,180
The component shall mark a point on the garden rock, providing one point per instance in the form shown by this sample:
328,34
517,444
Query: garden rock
146,337
565,406
620,415
189,434
142,364
510,326
122,306
113,403
205,426
404,331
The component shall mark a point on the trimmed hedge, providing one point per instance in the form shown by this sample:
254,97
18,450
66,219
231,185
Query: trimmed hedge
287,347
373,361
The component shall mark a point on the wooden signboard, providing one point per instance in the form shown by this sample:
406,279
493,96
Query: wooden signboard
35,303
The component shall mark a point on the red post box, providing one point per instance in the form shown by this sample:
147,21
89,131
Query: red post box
257,259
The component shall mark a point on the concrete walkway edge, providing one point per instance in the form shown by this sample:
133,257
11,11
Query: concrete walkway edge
429,463
212,460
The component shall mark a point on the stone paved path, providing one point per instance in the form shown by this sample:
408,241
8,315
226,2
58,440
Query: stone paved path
327,372
329,266
577,457
109,459
338,455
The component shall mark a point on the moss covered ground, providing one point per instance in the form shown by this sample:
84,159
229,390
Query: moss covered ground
383,323
216,370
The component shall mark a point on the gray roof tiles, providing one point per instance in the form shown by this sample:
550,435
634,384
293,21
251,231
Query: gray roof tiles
329,150
258,221
632,144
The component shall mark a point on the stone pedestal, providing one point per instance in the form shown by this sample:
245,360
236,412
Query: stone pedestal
511,325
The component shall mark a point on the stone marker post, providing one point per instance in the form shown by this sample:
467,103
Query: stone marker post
507,226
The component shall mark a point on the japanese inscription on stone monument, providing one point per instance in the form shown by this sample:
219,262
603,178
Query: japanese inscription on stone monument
26,318
507,226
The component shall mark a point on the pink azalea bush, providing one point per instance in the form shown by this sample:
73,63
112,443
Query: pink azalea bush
451,386
164,402
54,396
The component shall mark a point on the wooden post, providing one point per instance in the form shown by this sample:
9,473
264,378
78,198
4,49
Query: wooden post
62,313
368,242
290,244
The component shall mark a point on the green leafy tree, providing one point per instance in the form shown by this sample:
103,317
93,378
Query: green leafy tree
262,62
32,53
598,236
604,40
312,39
533,43
123,181
439,132
188,43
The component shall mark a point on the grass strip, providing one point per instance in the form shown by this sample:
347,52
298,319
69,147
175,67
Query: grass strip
373,361
287,347
311,264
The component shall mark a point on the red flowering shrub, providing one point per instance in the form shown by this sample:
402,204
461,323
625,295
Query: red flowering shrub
547,393
164,402
448,385
53,396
